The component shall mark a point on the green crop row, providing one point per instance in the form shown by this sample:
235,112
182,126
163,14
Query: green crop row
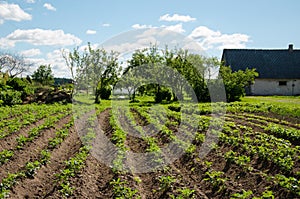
30,118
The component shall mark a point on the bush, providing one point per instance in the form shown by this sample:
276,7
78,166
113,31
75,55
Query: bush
235,82
105,92
163,94
21,85
10,97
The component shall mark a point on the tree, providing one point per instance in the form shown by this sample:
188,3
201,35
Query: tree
95,69
143,72
14,65
235,82
43,75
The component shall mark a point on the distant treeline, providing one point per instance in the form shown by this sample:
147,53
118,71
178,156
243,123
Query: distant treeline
61,81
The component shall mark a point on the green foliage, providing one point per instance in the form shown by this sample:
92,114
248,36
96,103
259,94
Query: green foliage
290,183
104,92
45,156
21,85
166,182
266,195
163,94
216,179
184,193
31,168
233,157
43,75
243,195
94,69
120,190
5,155
235,82
66,189
10,97
8,182
73,166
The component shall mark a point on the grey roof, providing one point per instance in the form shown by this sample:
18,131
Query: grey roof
278,64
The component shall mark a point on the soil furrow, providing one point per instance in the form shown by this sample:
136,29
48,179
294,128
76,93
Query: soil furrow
93,180
31,150
9,142
43,183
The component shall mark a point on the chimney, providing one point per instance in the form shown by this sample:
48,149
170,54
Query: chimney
290,48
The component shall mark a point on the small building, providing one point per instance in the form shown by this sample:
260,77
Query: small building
279,69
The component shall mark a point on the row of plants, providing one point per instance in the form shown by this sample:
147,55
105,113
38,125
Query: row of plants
281,131
29,118
270,119
158,120
31,167
120,186
166,181
33,133
75,164
36,131
28,171
267,148
72,167
8,112
262,107
244,160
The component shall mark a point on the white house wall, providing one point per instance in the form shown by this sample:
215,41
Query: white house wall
271,87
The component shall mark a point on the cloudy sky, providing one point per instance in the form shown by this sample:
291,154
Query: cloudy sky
41,29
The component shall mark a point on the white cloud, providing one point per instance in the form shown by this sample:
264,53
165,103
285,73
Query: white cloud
48,6
140,39
138,26
210,39
91,32
176,17
12,12
39,37
203,32
31,52
56,62
106,25
85,47
175,28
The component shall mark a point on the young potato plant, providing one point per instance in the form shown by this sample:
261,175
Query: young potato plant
166,183
31,168
73,166
120,190
45,157
5,155
216,179
184,193
8,182
243,195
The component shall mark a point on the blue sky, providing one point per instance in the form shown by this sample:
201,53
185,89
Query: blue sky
41,29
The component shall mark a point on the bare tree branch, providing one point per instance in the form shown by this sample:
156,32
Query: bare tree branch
13,64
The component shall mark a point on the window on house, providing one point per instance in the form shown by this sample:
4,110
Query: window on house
282,83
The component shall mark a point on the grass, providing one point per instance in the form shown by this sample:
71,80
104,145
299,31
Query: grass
283,105
292,101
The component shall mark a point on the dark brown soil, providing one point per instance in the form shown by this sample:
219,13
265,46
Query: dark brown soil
9,142
94,179
43,183
31,150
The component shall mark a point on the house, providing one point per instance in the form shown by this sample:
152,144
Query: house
279,69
